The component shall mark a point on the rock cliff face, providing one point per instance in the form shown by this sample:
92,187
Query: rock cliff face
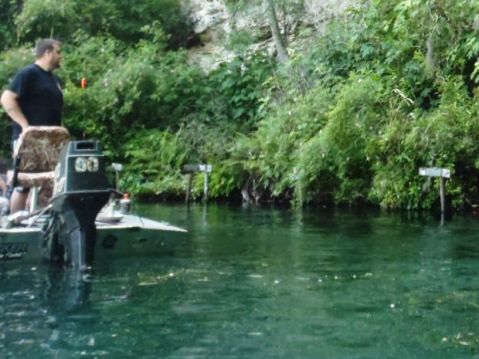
214,22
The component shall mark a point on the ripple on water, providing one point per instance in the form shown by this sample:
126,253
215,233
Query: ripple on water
274,286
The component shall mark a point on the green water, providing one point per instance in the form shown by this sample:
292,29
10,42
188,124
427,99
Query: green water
260,283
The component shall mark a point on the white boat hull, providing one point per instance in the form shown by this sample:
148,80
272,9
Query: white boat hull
130,235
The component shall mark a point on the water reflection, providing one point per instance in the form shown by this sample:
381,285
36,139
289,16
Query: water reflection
66,289
36,301
260,283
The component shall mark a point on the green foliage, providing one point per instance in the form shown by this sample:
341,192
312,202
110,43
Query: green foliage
8,10
129,88
10,61
239,41
444,137
168,13
155,159
270,156
352,125
334,161
61,18
47,18
387,88
235,91
348,119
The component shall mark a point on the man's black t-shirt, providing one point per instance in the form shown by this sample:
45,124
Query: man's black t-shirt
39,97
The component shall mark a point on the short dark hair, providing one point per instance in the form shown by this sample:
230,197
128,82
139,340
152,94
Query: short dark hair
45,45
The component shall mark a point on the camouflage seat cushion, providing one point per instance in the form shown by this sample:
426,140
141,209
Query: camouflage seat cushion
44,180
39,148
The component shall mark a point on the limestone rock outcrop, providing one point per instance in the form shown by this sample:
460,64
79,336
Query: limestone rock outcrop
213,21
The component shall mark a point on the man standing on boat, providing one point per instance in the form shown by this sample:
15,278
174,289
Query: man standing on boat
35,98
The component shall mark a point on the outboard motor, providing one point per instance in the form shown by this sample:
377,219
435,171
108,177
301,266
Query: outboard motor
81,190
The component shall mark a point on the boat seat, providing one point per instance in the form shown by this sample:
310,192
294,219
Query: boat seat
36,156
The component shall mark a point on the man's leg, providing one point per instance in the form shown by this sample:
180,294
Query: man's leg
18,201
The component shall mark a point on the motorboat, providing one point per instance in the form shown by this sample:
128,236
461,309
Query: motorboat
75,216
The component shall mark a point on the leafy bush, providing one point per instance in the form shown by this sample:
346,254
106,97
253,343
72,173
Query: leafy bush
154,162
129,88
62,18
9,64
348,119
8,11
445,137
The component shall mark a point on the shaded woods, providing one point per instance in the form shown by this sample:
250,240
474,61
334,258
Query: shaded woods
346,115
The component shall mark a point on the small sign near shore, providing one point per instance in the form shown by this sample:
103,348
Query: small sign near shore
189,170
435,172
197,168
443,174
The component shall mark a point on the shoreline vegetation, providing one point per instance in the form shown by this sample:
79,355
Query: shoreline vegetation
346,116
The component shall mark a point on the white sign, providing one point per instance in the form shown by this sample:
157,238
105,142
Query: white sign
435,172
117,167
205,168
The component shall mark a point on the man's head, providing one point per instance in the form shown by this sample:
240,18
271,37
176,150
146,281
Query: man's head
49,52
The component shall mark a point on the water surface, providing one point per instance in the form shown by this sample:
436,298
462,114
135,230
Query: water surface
260,283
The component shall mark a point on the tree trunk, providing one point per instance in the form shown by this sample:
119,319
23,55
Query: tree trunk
282,54
430,56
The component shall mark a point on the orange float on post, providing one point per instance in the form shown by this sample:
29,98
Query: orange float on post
84,83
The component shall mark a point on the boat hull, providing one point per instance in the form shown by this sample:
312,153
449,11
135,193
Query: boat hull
132,235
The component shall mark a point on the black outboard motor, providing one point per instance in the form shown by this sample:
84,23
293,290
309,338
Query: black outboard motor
81,190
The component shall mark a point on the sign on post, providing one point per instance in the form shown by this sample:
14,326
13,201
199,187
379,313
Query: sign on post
205,168
190,169
443,174
197,168
435,172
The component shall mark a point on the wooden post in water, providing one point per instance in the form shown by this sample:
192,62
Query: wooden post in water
189,180
205,188
443,174
442,194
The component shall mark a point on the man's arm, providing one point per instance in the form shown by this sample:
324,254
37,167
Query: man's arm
9,102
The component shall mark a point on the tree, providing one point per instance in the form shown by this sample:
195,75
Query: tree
8,9
282,53
62,18
279,15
